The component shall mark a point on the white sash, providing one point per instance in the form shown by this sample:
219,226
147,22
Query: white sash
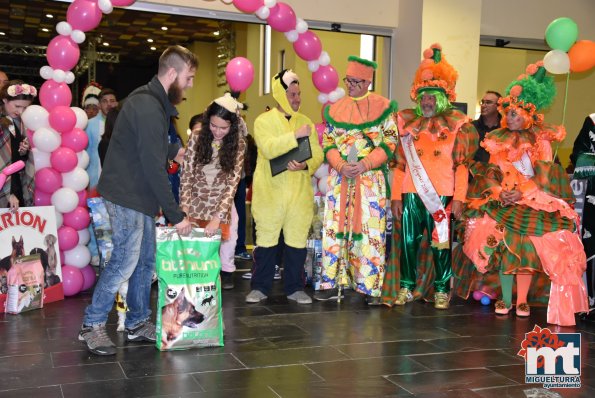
524,166
425,189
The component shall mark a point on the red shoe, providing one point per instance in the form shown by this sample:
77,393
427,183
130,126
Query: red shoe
523,309
501,308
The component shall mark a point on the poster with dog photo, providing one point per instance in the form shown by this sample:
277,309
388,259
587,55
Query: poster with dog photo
31,230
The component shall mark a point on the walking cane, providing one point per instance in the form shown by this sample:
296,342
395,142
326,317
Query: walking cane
351,158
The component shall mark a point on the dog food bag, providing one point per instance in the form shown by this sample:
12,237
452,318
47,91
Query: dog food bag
189,301
25,285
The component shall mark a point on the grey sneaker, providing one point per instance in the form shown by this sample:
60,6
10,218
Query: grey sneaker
97,340
144,331
330,294
300,297
255,296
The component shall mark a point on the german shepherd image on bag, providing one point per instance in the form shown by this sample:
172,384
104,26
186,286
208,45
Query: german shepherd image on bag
189,302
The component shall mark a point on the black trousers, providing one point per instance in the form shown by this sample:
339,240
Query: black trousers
263,268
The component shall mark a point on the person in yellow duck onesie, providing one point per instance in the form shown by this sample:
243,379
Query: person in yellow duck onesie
284,202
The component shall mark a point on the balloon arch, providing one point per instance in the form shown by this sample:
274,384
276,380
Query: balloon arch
57,129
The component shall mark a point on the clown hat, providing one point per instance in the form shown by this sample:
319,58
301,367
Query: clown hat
360,68
434,72
531,92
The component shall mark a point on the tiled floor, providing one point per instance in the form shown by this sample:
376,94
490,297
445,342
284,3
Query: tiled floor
281,349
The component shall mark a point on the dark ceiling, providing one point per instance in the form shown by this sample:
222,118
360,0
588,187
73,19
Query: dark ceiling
125,30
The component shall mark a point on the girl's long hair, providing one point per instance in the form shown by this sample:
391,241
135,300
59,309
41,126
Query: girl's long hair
230,145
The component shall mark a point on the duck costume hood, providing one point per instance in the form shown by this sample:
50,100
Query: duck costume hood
280,84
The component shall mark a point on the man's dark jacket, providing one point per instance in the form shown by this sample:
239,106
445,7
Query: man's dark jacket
134,172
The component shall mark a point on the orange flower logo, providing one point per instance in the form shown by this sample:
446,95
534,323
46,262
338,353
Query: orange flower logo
538,338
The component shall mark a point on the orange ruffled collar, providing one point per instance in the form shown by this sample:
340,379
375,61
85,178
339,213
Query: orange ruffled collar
507,140
449,121
360,112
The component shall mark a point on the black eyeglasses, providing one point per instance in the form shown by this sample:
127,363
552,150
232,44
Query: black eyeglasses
352,82
486,102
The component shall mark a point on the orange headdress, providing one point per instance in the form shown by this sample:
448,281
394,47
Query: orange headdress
436,73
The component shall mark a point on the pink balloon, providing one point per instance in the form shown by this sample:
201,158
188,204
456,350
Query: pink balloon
122,3
248,6
62,119
63,53
72,280
63,159
89,276
308,46
239,73
48,180
82,198
282,18
77,140
325,79
30,137
83,15
42,198
320,130
53,94
77,219
68,238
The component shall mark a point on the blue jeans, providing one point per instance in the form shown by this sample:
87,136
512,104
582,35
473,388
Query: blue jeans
132,259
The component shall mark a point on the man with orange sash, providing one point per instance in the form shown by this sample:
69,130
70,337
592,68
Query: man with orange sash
430,181
359,140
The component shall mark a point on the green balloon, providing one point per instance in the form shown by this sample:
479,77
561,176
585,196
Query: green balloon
561,34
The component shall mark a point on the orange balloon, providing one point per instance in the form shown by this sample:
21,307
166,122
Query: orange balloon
582,56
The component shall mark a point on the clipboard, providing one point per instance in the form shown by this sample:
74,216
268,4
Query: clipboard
300,154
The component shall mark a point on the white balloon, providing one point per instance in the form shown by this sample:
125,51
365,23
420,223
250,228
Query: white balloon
301,26
83,158
81,117
324,59
321,172
46,139
333,96
69,78
84,236
77,179
270,3
59,218
340,91
41,159
227,1
63,28
322,98
105,6
263,12
322,186
65,200
291,36
78,257
59,75
313,66
556,62
46,72
78,36
35,117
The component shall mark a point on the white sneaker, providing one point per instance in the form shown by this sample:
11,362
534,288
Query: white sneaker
300,297
255,296
277,273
